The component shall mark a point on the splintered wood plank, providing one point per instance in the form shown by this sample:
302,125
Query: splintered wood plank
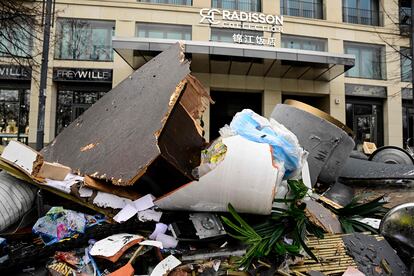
116,138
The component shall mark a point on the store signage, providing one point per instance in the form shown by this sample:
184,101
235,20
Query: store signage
256,40
242,20
82,74
14,72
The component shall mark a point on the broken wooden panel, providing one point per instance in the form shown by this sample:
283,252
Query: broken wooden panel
125,133
322,217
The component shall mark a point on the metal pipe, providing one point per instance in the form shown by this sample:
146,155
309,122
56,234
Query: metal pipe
43,77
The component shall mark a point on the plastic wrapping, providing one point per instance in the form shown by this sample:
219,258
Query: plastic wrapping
286,151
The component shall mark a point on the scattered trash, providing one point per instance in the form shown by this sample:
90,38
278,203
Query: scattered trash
113,247
59,223
282,186
166,266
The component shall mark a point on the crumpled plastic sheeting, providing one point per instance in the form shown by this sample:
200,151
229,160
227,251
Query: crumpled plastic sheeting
287,153
59,224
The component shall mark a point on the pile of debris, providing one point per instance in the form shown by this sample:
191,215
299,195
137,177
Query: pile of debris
131,187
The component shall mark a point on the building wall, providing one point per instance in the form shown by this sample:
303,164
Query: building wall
126,13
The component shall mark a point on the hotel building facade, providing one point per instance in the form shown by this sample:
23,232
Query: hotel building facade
341,56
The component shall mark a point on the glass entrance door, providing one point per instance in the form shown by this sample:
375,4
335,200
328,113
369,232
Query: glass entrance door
366,120
408,124
72,103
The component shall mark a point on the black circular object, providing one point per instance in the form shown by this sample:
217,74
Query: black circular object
392,155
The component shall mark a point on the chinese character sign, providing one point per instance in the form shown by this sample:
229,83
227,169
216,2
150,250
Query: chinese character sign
256,40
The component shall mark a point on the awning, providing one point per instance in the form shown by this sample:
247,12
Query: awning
240,59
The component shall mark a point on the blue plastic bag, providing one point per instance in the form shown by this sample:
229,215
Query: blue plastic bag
286,151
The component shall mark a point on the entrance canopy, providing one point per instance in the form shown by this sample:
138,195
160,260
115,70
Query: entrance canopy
240,59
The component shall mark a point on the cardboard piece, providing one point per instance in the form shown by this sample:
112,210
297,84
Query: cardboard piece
246,178
22,157
146,124
54,171
369,147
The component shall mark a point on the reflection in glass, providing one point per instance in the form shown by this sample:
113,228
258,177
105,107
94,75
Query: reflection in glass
14,111
369,60
80,39
166,31
303,43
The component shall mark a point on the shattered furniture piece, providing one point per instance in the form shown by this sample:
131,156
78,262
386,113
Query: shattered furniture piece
366,172
149,123
246,178
327,140
397,226
373,255
392,155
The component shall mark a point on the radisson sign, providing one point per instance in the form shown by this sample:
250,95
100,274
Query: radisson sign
242,20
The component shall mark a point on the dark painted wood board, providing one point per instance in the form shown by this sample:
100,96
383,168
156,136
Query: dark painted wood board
116,138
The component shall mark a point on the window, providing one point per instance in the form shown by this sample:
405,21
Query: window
170,2
226,35
405,17
303,8
79,39
364,12
369,60
167,31
405,64
303,43
16,39
14,111
242,5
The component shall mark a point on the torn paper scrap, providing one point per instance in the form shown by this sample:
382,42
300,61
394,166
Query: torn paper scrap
111,245
152,243
126,213
160,228
64,185
109,200
130,210
144,202
149,215
246,178
166,266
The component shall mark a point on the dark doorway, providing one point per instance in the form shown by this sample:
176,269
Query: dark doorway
73,100
365,117
227,104
408,121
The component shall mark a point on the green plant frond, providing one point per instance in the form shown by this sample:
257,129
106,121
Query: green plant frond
298,188
239,219
236,228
